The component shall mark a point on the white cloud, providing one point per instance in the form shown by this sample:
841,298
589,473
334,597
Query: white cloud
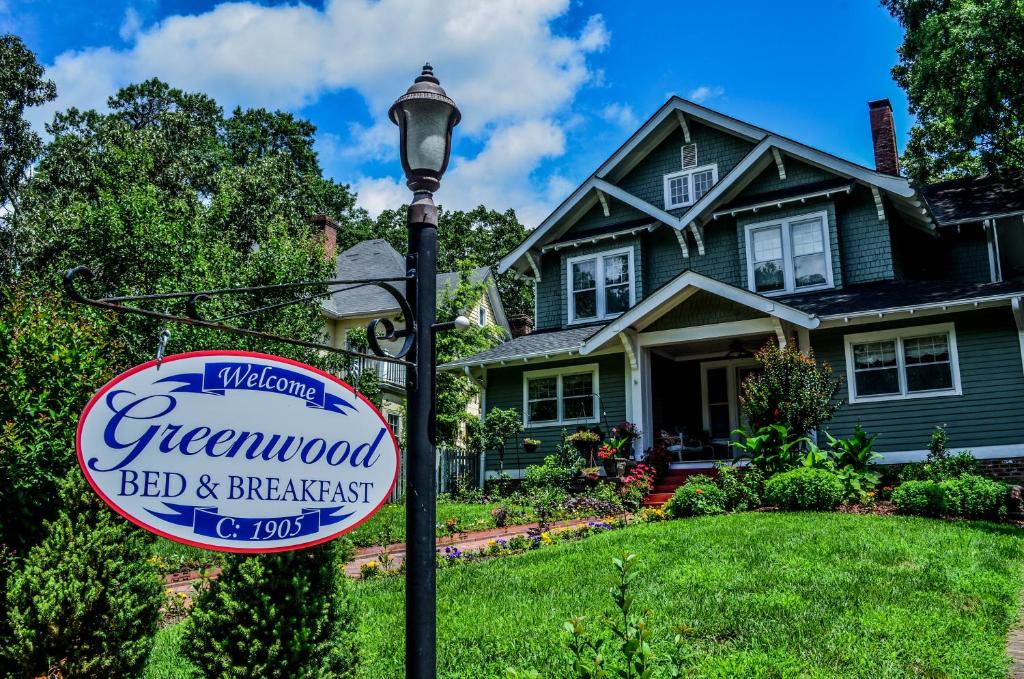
130,25
705,92
377,194
512,76
619,114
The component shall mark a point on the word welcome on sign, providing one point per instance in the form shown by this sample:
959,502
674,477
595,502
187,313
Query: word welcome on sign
236,451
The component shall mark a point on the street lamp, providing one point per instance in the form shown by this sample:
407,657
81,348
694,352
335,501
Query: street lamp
425,116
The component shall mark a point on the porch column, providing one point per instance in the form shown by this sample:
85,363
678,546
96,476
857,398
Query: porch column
635,410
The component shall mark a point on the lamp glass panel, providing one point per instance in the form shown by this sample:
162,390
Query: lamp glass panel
426,133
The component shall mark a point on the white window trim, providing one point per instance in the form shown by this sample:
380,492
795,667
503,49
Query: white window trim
732,387
900,334
599,282
688,173
560,373
789,274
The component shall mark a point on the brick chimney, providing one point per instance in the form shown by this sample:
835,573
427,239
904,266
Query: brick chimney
883,137
521,325
330,228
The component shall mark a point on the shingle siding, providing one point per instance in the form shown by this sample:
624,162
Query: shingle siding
664,257
703,308
505,390
990,412
797,173
618,212
864,239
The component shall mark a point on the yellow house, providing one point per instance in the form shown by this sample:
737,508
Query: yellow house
356,307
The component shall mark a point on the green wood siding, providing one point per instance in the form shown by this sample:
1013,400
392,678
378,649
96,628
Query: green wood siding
703,308
865,248
663,258
991,410
505,390
618,212
797,173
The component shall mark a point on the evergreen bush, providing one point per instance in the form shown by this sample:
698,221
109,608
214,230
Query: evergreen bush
87,600
288,614
743,487
974,497
920,498
805,488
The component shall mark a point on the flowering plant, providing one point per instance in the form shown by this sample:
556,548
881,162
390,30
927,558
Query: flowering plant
623,436
532,442
583,437
606,451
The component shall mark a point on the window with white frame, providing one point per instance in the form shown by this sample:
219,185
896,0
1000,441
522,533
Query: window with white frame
905,363
395,422
560,396
789,255
686,187
601,285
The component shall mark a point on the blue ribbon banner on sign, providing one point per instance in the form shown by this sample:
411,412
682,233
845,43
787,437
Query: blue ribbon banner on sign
208,522
217,378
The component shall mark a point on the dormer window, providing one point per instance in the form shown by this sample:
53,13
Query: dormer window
789,255
686,187
600,285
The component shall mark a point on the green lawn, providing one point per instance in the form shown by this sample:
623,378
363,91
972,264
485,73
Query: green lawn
766,595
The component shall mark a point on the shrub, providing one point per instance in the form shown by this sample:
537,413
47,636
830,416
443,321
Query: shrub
920,498
699,496
87,601
805,488
772,448
287,614
941,465
742,487
551,474
791,389
974,497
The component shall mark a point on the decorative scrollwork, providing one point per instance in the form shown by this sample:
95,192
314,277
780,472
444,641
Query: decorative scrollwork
192,316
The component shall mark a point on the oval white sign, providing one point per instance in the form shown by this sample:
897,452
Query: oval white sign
236,451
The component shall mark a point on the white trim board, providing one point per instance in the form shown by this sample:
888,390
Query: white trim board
600,284
1010,450
785,226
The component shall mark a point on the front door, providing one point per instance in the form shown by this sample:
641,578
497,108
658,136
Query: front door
720,382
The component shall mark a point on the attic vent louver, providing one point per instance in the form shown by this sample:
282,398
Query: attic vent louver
689,156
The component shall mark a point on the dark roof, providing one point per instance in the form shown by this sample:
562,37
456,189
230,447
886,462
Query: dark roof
884,295
972,199
534,344
375,259
786,193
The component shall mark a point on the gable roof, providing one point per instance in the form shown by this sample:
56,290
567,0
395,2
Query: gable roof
972,199
676,291
670,117
376,259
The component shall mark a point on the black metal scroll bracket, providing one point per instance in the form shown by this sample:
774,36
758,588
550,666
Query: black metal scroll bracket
193,299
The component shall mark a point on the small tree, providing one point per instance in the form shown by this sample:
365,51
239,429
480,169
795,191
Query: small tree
87,601
288,614
791,389
500,425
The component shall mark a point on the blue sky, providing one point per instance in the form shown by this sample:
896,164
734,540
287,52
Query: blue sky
548,88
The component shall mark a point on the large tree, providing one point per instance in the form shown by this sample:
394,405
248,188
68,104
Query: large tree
22,86
962,66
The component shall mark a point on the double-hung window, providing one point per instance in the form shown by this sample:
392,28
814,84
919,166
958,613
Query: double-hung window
600,286
560,396
904,363
686,187
789,255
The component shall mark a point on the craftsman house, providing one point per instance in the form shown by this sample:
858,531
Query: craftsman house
356,306
704,237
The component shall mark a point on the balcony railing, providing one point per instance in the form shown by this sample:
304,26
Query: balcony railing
391,374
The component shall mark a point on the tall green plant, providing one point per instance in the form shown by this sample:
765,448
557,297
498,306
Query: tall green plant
87,600
283,615
791,388
500,426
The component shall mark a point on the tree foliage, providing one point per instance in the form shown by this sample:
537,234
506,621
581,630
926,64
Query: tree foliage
962,65
87,601
22,86
285,615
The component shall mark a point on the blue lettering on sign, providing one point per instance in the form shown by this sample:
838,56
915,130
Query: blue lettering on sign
208,522
219,377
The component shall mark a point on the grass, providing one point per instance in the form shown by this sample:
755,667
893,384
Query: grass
386,526
764,595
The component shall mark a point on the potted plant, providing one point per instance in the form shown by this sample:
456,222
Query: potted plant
607,454
586,443
622,438
530,445
591,473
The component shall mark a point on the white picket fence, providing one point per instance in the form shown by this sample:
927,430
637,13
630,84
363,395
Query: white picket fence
451,464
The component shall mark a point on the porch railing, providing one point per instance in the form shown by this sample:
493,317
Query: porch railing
391,374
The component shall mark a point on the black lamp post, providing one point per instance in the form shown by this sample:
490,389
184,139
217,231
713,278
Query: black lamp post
425,116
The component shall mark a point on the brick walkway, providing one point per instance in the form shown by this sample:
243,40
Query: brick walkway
1015,648
396,552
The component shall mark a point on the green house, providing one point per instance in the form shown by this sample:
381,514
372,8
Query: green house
704,237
